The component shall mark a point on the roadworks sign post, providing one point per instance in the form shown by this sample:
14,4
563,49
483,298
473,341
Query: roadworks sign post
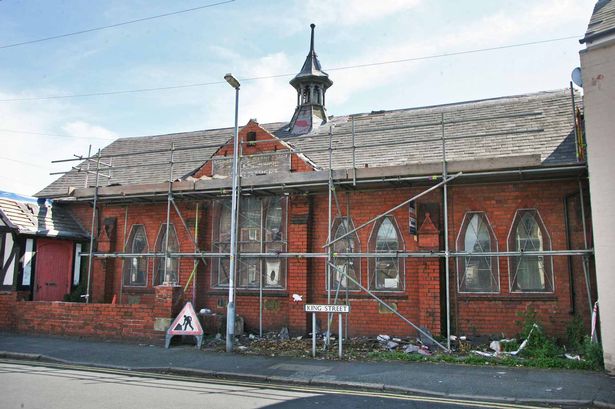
186,323
328,308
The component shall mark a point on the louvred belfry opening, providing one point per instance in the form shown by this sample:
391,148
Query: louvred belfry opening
311,84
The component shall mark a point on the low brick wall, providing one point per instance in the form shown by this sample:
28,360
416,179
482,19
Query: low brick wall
102,321
105,321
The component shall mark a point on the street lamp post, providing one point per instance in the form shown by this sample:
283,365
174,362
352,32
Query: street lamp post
230,307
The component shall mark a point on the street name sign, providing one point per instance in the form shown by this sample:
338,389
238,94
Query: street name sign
327,308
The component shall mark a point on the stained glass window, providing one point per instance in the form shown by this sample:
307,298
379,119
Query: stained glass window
387,272
477,273
172,263
345,265
531,273
135,268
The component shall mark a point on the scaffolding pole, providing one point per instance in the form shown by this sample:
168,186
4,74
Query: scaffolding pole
381,215
194,240
88,168
196,248
124,243
585,258
260,283
446,249
354,160
400,254
347,240
329,249
393,310
166,233
88,288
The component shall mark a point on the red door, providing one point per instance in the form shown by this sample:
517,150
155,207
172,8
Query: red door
53,269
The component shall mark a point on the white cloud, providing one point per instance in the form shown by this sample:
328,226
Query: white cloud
505,26
84,130
48,131
495,29
351,12
268,100
355,81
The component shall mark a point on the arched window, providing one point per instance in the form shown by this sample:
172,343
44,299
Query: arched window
262,228
386,273
529,273
222,240
477,273
172,263
248,268
135,268
345,265
275,241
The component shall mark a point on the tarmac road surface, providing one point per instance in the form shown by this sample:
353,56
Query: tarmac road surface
53,386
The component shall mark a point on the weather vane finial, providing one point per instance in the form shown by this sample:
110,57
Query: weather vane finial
312,38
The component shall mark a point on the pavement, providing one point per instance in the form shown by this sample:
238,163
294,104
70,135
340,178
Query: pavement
503,384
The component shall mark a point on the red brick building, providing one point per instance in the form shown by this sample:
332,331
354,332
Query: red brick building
507,227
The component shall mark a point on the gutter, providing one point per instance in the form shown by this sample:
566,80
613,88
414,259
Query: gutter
596,36
526,167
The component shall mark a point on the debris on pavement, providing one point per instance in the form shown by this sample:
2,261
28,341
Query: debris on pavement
426,337
410,348
391,345
284,333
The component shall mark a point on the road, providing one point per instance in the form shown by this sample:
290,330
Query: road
52,386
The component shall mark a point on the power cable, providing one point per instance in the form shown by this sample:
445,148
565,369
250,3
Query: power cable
23,162
54,135
479,50
348,67
123,23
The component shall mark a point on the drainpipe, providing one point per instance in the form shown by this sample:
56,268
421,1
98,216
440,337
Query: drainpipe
568,246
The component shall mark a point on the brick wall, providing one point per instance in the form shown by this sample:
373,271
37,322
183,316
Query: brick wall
497,313
422,299
102,321
367,317
272,145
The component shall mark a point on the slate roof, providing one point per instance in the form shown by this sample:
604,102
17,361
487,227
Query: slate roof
538,123
46,220
602,21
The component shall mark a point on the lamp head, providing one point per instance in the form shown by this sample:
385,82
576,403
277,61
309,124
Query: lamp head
232,80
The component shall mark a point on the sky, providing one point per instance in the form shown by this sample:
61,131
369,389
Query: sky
253,38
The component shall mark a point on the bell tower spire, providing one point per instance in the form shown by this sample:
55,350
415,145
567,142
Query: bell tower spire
312,26
311,84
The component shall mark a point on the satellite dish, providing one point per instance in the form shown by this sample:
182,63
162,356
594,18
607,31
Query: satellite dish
576,77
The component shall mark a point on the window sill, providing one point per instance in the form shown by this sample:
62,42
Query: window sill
138,290
382,295
250,293
507,297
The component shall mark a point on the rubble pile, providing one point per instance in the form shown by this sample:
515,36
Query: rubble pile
383,346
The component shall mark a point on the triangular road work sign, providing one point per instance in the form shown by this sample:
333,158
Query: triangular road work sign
186,323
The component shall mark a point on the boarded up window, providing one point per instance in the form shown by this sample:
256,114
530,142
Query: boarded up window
262,229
